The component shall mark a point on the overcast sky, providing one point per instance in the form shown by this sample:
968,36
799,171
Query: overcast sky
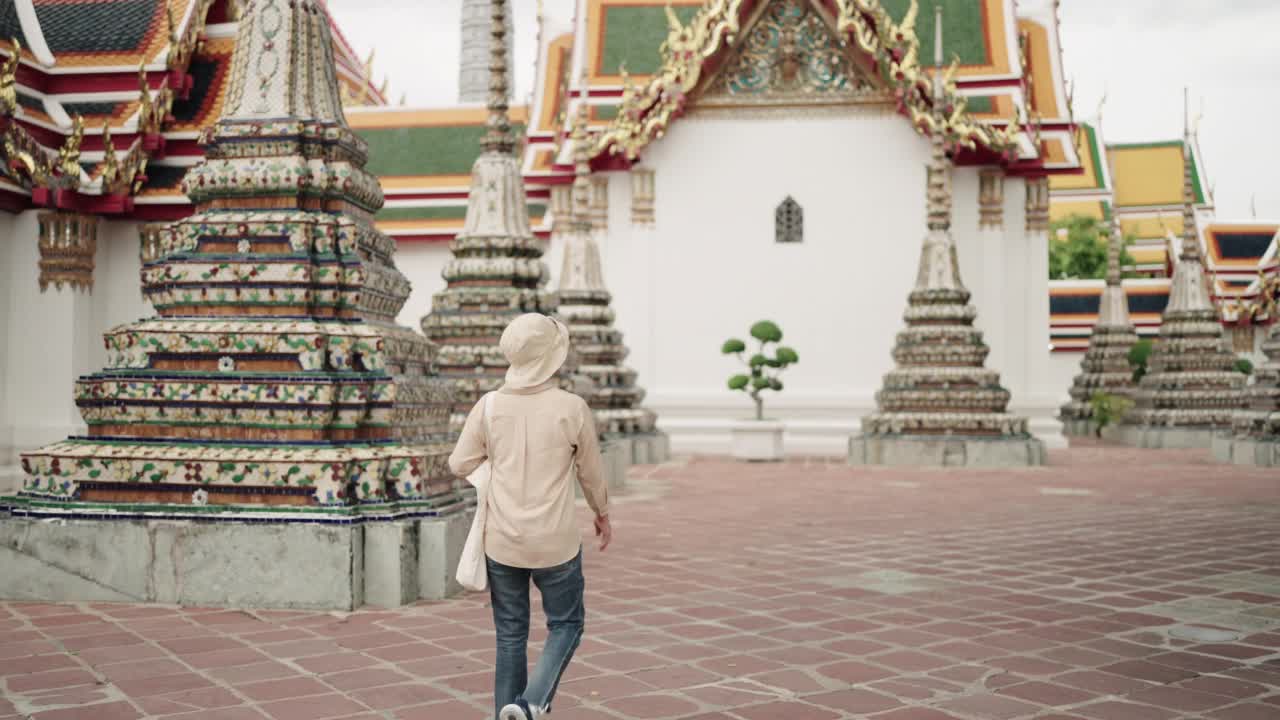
1140,53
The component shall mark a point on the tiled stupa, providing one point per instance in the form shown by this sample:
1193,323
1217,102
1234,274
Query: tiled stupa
585,308
274,373
497,272
940,405
1105,367
1191,389
1254,438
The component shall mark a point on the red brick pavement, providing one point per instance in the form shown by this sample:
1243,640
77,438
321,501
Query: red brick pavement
802,591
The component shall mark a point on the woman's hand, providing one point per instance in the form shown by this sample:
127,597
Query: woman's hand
604,531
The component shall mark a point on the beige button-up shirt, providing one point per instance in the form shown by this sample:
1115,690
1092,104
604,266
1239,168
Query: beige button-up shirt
537,438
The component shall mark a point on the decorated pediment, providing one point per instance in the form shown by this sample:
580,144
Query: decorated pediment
789,53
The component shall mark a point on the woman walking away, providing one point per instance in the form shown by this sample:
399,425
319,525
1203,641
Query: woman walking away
535,437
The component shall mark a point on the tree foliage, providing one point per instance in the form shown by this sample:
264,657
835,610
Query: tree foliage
1108,409
764,366
1082,254
1138,356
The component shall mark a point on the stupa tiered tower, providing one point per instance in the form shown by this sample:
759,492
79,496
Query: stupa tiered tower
275,373
585,308
274,386
1254,437
497,272
1105,367
1191,389
940,406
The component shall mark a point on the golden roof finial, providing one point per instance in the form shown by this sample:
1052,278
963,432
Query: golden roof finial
498,136
69,153
9,79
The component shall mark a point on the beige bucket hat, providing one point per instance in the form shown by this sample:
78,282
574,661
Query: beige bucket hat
536,346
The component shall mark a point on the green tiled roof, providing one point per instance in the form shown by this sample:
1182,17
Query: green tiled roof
980,103
443,212
962,29
101,26
634,34
10,27
434,150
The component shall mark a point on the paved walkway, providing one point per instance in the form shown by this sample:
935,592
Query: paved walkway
1115,585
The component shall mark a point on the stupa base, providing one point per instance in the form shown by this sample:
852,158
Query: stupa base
646,448
1079,428
1246,451
616,456
229,559
945,451
1162,437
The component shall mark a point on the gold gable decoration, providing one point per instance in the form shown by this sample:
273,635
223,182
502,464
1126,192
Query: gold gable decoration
646,112
788,54
897,47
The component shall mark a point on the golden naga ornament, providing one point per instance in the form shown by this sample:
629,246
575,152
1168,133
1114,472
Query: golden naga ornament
69,153
9,79
645,112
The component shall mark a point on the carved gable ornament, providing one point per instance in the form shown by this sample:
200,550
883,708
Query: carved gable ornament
788,55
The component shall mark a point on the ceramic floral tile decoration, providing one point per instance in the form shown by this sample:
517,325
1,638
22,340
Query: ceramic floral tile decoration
274,373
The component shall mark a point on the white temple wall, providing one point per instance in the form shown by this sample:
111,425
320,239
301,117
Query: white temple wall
421,263
55,336
710,267
49,336
7,242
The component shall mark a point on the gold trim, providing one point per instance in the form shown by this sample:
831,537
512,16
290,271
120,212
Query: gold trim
645,113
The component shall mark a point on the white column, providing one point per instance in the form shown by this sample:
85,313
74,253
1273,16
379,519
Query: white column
989,196
1037,394
52,338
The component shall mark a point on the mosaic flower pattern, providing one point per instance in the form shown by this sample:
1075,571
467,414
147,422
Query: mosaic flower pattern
275,373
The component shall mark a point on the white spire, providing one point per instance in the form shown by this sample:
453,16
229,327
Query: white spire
473,75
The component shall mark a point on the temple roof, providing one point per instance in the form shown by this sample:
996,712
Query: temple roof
985,37
1074,305
92,59
423,158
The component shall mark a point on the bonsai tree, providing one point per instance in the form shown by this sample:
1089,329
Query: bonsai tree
764,366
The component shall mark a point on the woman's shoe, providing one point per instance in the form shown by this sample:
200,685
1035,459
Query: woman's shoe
520,710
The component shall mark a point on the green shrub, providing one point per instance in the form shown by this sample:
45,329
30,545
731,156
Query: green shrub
1108,409
1138,356
1244,366
764,366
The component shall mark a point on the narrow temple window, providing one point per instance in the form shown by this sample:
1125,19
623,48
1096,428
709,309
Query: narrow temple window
788,222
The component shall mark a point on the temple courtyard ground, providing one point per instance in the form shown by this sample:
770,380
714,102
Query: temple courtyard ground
1115,584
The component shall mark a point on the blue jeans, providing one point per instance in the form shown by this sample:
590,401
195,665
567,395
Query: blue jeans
561,587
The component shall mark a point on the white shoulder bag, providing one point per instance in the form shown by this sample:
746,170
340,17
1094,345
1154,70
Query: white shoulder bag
473,573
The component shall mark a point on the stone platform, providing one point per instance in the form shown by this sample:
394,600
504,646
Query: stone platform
1162,438
1078,428
1246,451
645,449
280,560
946,451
